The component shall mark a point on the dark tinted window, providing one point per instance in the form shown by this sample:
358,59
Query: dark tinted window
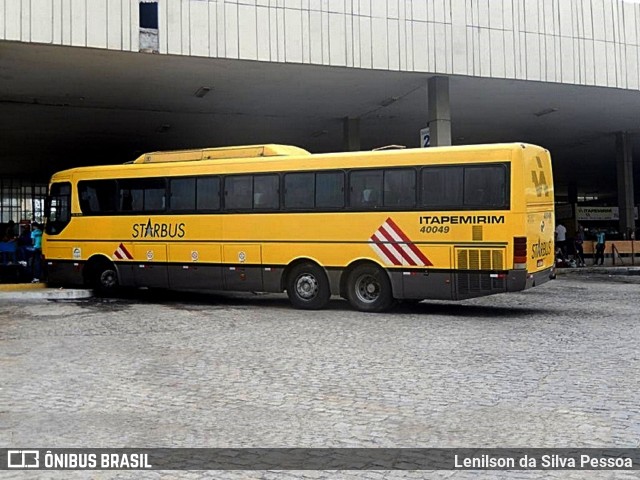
329,190
97,196
481,186
485,186
365,188
400,188
58,208
442,186
142,195
148,15
266,192
208,193
238,192
299,190
183,194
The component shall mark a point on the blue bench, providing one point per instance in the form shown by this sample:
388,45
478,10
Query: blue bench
8,251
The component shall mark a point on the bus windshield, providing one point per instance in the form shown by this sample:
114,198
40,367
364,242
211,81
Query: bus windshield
58,208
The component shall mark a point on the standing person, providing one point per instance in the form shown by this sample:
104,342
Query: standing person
24,244
36,262
10,232
600,244
561,239
578,241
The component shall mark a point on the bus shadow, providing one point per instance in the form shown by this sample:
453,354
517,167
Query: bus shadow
465,310
196,300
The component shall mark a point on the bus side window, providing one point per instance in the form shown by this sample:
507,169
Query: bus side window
329,188
183,194
238,192
485,186
400,188
265,192
299,190
87,199
366,188
126,200
442,187
97,196
208,193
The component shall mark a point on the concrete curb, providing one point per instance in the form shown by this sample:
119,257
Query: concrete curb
39,291
603,270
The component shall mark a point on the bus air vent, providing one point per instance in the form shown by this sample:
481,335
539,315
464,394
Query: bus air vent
222,153
476,277
476,232
480,259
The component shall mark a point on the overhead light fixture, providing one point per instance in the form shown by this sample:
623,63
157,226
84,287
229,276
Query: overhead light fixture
319,133
202,91
388,101
546,111
163,128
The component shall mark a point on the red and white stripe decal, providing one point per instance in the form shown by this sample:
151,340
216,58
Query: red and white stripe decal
393,246
121,253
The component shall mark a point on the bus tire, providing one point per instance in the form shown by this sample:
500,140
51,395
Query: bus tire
369,288
308,287
104,277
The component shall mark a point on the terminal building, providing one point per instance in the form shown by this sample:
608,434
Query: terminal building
103,81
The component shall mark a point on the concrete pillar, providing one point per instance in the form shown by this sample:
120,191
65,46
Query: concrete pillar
351,134
624,169
439,111
572,195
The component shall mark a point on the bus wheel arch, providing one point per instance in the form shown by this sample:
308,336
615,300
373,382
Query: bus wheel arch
367,286
101,274
307,284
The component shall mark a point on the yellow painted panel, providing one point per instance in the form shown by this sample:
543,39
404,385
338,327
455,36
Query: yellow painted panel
242,253
195,252
150,252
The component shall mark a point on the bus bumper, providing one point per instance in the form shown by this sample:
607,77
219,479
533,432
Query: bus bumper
522,280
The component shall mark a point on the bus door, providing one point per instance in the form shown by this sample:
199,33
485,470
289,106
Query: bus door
150,265
242,269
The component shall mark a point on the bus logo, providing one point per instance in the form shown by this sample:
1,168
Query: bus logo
23,458
121,253
539,180
393,246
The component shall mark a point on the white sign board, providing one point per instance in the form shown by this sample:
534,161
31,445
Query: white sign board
600,213
425,138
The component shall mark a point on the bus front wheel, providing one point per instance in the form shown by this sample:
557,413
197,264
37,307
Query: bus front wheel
308,287
104,277
369,289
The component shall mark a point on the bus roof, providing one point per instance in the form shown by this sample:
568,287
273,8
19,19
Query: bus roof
272,152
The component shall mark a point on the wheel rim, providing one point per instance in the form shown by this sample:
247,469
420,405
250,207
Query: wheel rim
307,286
108,279
368,288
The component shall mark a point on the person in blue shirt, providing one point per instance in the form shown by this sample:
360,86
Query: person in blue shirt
36,259
600,244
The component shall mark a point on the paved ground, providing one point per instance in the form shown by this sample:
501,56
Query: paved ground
556,366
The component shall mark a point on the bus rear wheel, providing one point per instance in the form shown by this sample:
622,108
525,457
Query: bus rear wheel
369,289
308,287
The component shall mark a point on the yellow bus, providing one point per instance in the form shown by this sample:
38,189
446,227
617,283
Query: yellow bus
372,227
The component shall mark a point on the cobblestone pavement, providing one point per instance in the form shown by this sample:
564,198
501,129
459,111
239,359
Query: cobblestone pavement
556,366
